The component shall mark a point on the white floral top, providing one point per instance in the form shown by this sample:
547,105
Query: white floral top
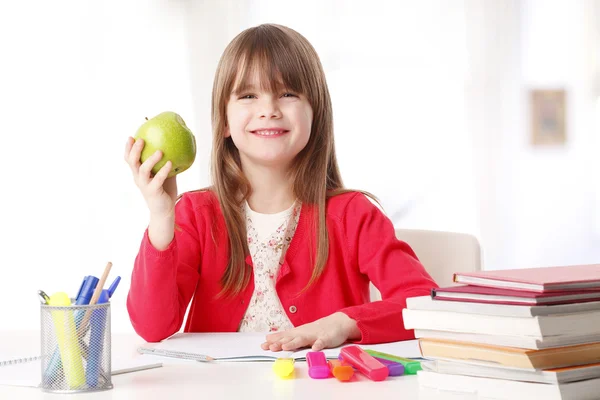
266,240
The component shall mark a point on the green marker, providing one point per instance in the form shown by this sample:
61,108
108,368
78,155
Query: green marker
410,366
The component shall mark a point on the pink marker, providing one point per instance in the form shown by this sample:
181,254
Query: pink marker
365,363
317,365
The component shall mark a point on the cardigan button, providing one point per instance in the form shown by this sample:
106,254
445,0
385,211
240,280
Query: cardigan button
293,309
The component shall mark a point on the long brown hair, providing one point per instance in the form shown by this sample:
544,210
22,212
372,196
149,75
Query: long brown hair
281,56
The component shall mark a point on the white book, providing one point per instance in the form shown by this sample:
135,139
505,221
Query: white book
235,346
525,342
583,323
550,376
433,384
427,303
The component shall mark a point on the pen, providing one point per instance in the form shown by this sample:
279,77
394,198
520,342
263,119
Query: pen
113,286
175,354
84,295
86,290
44,298
97,322
86,318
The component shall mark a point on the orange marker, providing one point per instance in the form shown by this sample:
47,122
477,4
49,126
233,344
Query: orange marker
342,371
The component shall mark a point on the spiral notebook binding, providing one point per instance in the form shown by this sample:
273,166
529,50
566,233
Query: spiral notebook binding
16,361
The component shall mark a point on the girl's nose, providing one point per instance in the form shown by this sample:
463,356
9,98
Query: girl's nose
269,109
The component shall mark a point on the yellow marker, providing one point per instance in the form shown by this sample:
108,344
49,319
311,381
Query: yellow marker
66,335
284,367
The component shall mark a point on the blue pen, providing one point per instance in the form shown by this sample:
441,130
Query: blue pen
86,290
97,322
84,295
113,286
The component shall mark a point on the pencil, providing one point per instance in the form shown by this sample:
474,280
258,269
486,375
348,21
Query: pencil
175,354
94,298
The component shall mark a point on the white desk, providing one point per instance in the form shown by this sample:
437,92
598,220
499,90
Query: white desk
213,381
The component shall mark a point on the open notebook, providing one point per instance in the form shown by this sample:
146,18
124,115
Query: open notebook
224,347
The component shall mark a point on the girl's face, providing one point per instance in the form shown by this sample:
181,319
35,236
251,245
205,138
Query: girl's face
268,129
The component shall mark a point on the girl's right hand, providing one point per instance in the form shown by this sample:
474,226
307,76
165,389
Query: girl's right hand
159,191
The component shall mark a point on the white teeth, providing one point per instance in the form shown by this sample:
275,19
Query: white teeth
267,133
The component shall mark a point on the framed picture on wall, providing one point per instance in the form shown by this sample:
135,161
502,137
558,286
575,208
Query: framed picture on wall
548,114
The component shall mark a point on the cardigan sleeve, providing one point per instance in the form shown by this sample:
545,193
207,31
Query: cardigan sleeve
390,264
163,281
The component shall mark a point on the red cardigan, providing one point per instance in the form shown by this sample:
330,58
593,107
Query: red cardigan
362,248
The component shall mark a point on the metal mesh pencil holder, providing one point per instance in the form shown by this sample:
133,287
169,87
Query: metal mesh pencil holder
75,344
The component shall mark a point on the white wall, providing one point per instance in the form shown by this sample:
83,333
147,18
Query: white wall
554,187
430,94
537,205
77,78
494,118
396,75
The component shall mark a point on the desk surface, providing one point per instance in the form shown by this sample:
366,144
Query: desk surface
176,380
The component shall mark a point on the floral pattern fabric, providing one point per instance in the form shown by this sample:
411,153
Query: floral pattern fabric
265,312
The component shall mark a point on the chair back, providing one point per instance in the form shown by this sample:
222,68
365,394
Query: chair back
441,253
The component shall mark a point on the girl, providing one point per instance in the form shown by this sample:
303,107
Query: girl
276,244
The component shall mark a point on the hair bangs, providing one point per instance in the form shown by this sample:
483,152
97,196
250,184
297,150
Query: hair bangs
272,62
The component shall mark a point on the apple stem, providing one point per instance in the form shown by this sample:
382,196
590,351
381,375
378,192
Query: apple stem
146,118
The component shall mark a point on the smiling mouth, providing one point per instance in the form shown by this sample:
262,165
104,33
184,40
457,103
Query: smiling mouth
269,132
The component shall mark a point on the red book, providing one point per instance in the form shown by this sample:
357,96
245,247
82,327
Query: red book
542,280
480,294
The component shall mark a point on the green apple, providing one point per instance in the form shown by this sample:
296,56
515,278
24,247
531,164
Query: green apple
168,133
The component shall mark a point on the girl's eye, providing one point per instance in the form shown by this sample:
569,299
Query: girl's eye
252,96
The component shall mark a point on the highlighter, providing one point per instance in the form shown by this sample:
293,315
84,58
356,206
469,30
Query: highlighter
97,322
84,295
66,336
364,363
317,365
284,367
394,368
342,371
410,366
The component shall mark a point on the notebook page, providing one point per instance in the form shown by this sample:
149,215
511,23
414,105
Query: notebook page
234,346
23,374
226,345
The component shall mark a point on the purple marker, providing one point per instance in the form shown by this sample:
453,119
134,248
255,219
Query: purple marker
394,368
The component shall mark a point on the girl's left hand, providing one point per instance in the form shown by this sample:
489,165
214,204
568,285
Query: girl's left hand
330,331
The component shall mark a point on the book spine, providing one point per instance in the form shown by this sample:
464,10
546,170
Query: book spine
471,323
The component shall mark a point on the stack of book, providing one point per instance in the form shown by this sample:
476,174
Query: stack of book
512,334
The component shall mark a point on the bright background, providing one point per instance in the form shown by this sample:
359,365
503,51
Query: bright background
430,106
